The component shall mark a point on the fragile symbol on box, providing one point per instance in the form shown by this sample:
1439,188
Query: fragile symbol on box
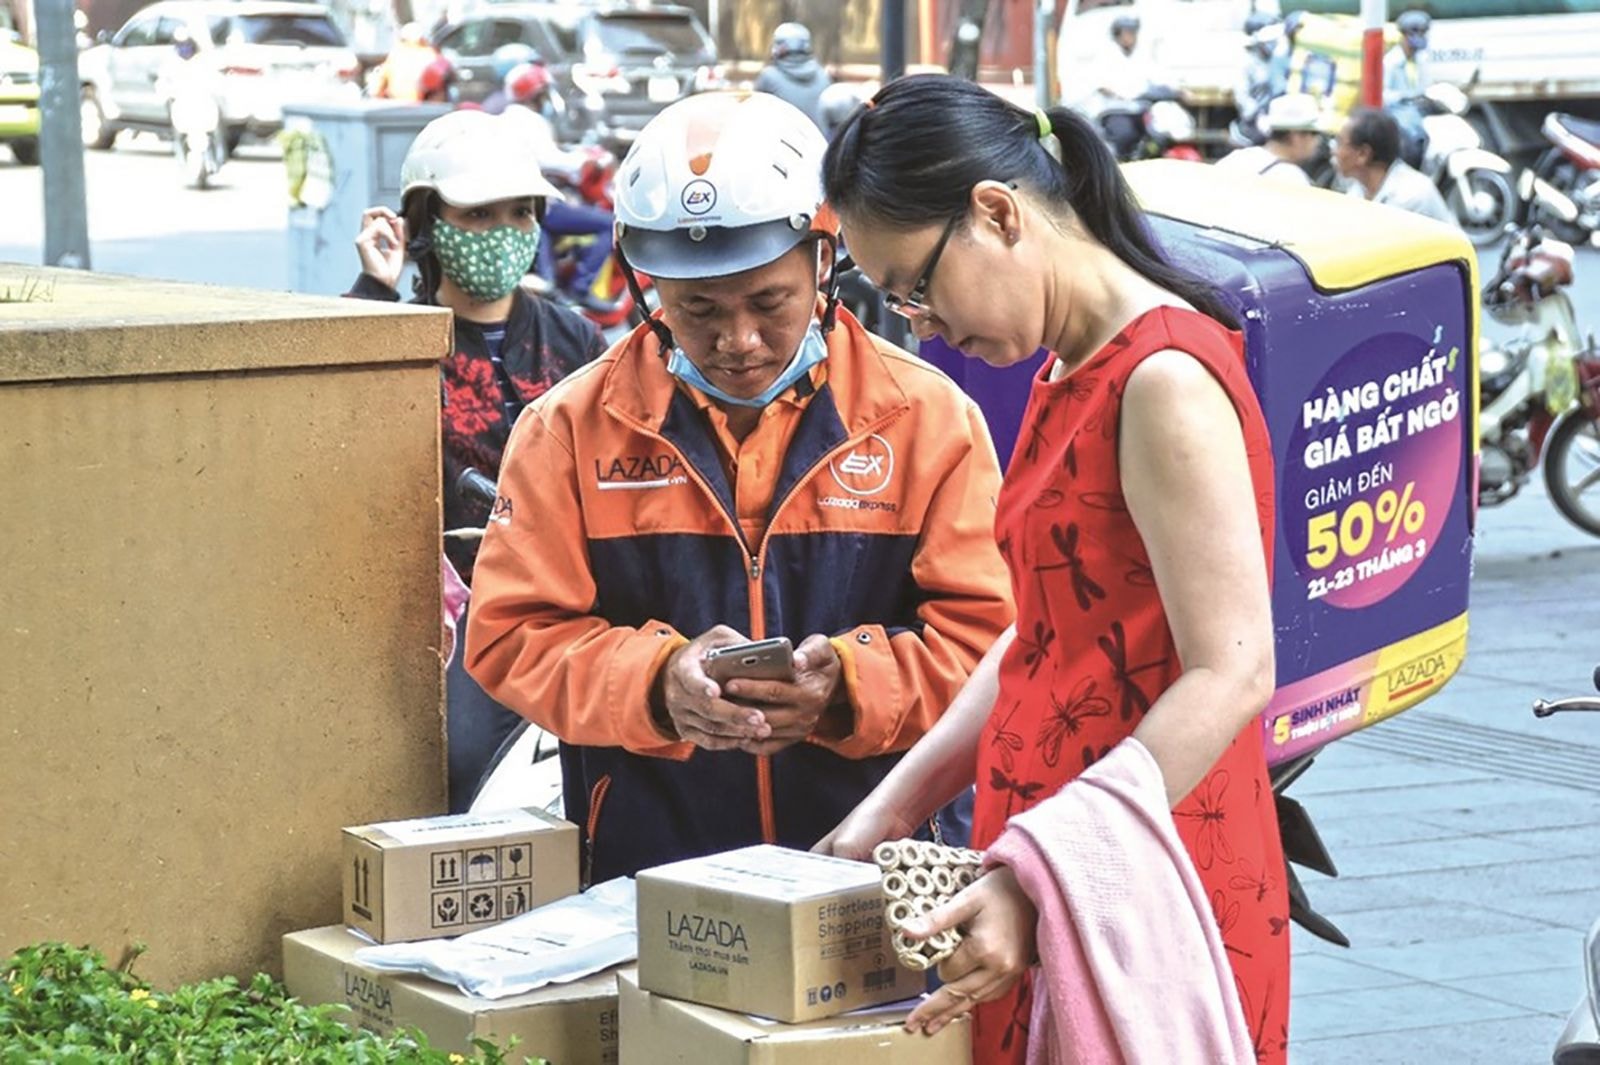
446,909
483,866
513,860
446,868
481,905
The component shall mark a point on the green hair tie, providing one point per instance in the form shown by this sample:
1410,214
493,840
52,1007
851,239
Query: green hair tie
1044,124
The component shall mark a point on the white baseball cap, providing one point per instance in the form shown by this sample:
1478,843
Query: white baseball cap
1293,112
473,157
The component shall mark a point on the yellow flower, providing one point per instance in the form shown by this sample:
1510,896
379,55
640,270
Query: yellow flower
455,1059
16,989
139,994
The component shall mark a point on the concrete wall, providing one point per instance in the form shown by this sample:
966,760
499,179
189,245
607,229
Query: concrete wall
219,611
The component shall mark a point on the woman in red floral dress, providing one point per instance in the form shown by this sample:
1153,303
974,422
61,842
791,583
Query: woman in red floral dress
1136,520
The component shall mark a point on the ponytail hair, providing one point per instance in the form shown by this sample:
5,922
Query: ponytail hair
420,210
911,156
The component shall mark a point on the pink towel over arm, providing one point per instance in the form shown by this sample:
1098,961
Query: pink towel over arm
1132,966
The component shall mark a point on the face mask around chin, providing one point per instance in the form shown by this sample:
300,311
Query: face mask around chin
813,349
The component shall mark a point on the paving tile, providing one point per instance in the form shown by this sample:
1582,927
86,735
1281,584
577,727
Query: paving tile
1518,1040
1576,910
1379,802
1391,1009
1550,991
1320,974
1335,897
1343,833
1426,855
1572,811
1487,884
1439,960
1436,924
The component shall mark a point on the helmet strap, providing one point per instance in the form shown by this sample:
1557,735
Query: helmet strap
830,288
657,326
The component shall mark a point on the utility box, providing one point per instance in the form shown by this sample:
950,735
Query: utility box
340,159
220,612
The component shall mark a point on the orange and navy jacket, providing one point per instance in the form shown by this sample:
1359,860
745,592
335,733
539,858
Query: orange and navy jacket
615,540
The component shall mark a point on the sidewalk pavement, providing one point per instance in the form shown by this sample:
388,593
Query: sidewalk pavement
1466,831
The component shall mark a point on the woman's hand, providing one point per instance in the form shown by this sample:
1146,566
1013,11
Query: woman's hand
999,944
382,245
868,825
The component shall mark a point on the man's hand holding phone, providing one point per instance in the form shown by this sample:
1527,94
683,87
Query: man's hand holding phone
794,709
711,700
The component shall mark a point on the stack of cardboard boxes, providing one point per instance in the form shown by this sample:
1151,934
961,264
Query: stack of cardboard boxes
766,956
761,955
443,876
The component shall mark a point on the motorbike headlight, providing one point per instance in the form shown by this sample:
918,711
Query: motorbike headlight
1493,361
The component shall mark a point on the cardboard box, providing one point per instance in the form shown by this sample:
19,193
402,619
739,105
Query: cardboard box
566,1024
442,876
779,933
661,1031
221,637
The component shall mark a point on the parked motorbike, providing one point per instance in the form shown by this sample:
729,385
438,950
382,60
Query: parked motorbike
1540,392
1154,125
1579,1042
593,183
1475,182
1562,191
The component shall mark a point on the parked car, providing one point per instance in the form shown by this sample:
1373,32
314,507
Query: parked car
266,53
19,95
614,67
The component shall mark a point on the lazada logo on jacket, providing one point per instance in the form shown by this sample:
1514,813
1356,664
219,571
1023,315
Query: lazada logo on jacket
640,471
864,469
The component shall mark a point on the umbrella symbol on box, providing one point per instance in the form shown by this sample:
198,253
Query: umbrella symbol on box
481,866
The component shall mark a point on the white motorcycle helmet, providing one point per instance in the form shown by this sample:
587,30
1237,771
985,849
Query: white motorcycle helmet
721,183
473,157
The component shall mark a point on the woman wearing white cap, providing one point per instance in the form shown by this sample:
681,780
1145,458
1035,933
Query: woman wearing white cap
1293,139
471,202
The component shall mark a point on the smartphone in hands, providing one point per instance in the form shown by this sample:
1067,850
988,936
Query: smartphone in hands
757,660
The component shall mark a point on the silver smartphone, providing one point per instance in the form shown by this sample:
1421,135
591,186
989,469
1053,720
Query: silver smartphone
757,660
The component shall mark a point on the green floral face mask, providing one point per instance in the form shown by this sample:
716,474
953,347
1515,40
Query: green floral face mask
487,265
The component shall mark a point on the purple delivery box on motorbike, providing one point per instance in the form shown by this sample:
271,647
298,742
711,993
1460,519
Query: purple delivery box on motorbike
1360,328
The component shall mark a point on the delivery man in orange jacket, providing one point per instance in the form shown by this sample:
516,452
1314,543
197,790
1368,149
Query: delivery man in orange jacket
751,463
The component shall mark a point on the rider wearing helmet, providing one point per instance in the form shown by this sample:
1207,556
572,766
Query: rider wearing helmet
399,76
751,463
437,83
526,96
1262,32
472,196
793,74
1405,72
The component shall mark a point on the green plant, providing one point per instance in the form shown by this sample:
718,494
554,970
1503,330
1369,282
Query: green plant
29,290
62,1005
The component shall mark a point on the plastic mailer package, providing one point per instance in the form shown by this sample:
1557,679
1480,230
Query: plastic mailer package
917,878
563,941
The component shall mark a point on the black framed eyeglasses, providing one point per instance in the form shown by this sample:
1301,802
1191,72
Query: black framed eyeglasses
912,306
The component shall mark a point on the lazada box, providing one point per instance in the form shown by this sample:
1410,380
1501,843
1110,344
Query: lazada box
769,931
662,1031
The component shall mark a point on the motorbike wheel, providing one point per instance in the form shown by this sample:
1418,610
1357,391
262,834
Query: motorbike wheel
1486,228
97,132
1572,470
